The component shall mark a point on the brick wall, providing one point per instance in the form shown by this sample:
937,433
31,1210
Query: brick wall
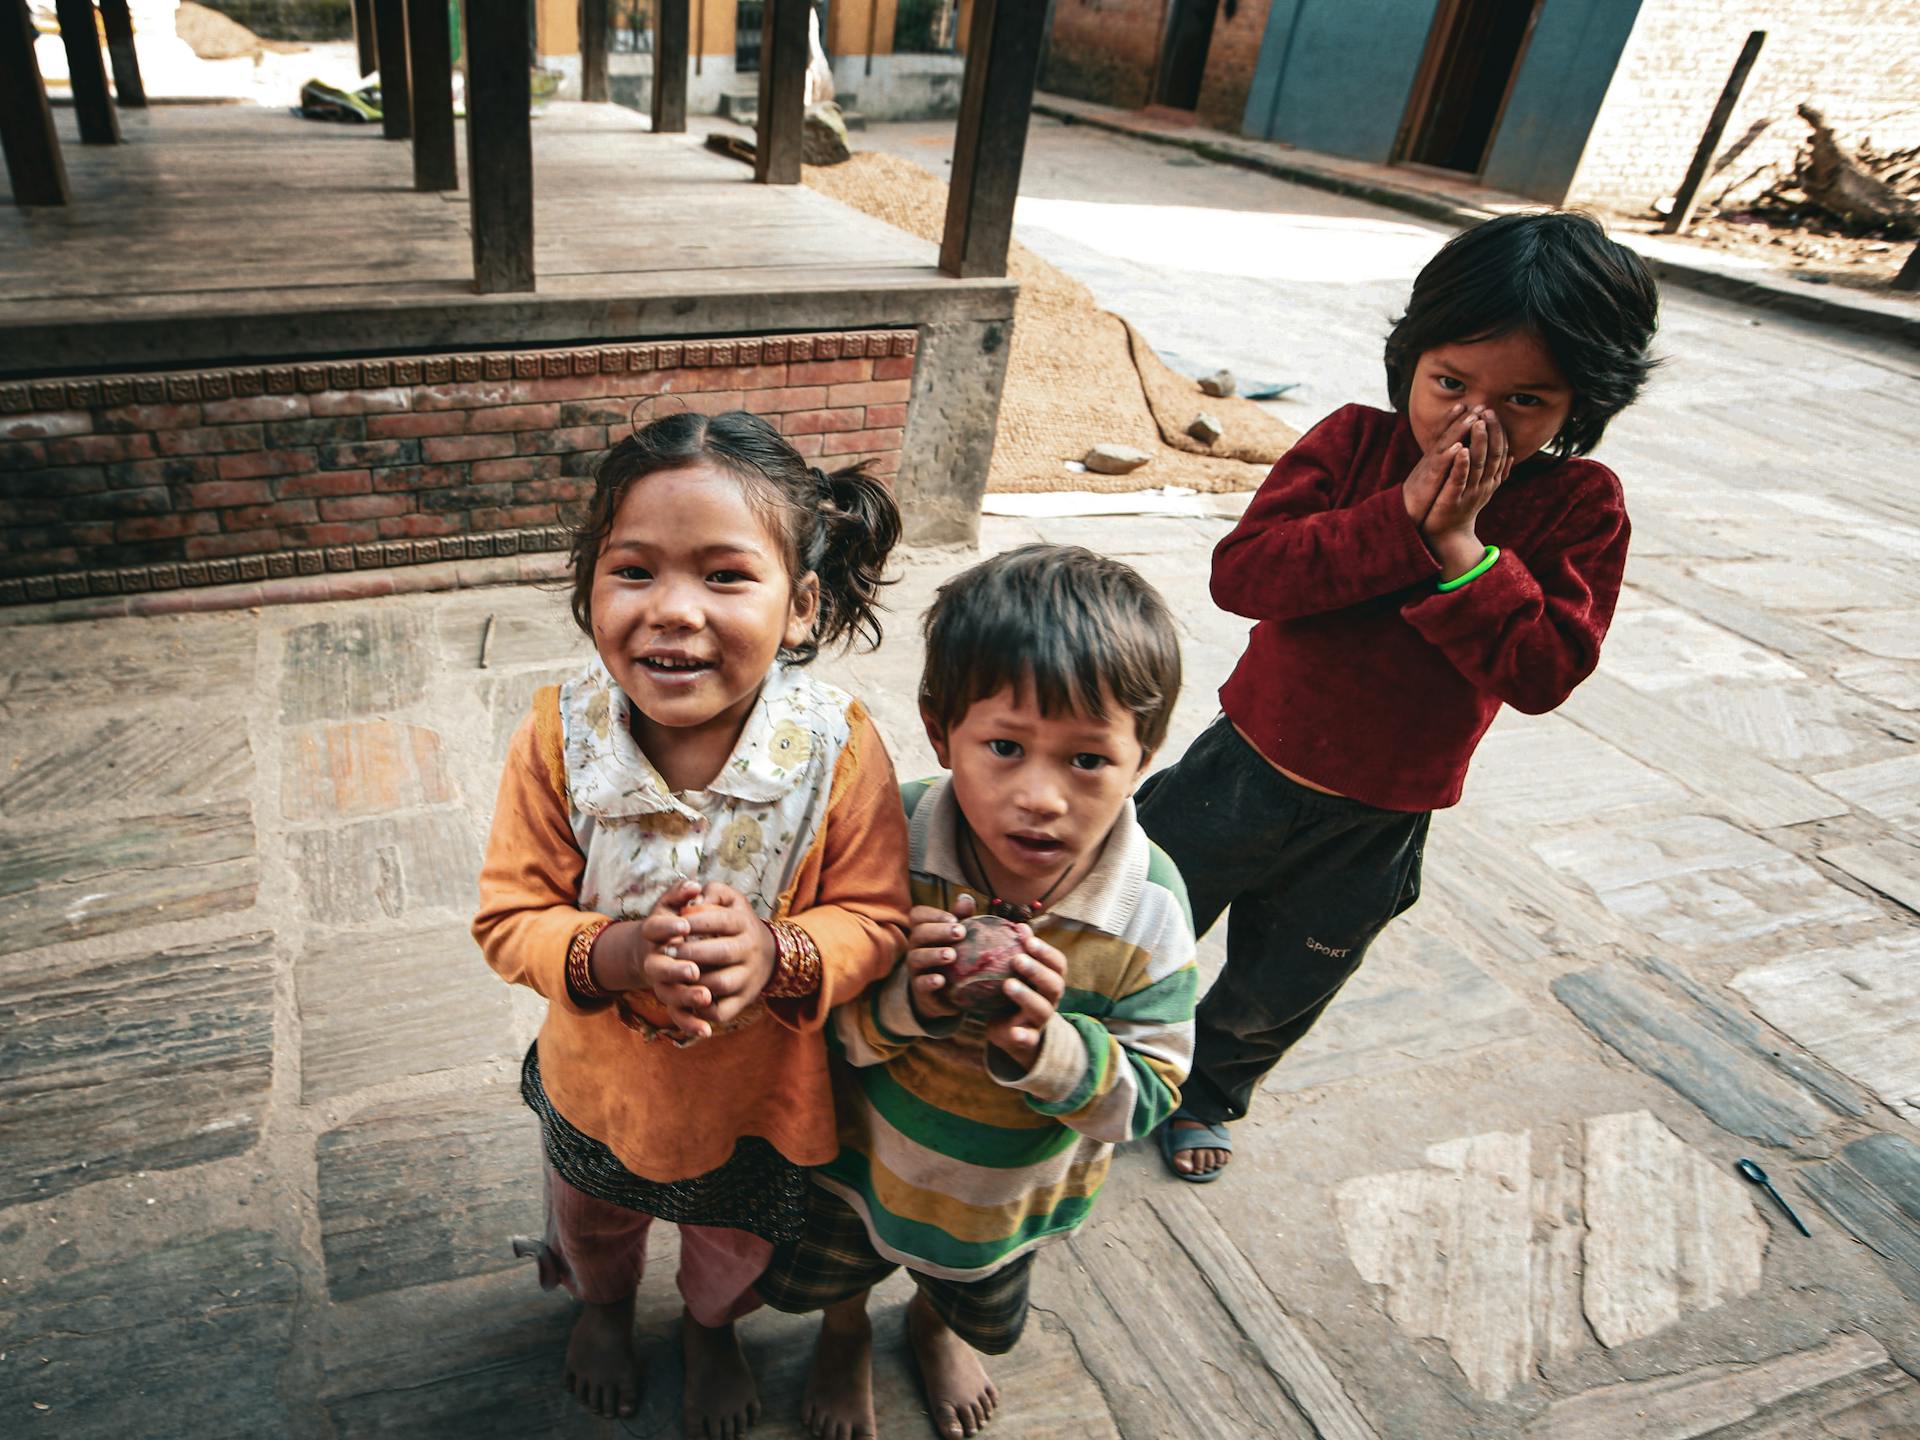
1105,50
1857,60
122,484
1109,51
1232,55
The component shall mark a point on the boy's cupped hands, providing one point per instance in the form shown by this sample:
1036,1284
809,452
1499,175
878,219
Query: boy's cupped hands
1038,981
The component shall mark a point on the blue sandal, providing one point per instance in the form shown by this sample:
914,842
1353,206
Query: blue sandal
1209,1136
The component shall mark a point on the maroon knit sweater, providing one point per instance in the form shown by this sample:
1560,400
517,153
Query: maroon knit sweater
1360,676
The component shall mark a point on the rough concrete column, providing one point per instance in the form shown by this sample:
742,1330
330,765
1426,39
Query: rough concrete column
950,424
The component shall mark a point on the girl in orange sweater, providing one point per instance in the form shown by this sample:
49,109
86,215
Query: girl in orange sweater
697,852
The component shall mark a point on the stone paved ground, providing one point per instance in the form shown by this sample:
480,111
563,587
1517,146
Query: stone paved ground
260,1150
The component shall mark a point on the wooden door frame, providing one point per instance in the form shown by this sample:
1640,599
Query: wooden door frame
1421,95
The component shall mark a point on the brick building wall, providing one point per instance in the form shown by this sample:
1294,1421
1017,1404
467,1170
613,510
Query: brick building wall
1857,60
124,484
1105,50
1231,57
1109,51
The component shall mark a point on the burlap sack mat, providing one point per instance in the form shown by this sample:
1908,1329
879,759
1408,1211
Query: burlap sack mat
1077,375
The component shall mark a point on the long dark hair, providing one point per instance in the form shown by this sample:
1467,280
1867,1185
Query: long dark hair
838,527
1591,301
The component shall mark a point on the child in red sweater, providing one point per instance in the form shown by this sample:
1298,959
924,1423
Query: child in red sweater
1410,571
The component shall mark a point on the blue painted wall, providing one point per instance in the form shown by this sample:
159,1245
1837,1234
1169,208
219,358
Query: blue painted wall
1564,77
1334,76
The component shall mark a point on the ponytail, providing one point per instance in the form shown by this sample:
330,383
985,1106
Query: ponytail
856,526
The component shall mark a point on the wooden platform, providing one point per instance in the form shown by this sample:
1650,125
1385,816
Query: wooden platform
226,232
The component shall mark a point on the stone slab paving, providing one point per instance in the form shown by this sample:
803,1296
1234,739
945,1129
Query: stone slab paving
1624,1239
142,762
383,1229
159,1059
101,877
1858,1009
379,1006
1734,1088
261,1155
386,868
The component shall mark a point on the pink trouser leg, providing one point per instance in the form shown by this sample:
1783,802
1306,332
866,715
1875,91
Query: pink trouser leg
596,1250
717,1269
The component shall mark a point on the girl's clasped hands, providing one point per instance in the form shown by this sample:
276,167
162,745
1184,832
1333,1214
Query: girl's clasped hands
703,953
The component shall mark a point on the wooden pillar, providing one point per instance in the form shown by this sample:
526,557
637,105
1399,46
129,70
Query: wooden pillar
783,92
593,51
1689,193
366,46
673,20
92,104
127,87
499,55
996,101
430,76
27,135
396,101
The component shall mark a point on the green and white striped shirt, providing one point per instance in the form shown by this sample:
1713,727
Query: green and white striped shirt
957,1160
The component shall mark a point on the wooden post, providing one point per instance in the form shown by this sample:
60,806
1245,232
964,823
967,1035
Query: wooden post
671,21
367,48
500,144
996,101
593,51
1689,194
92,104
430,63
396,101
783,92
1909,276
127,86
27,135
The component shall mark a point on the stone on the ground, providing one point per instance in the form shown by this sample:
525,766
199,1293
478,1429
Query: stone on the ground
1206,428
824,139
1115,459
1221,382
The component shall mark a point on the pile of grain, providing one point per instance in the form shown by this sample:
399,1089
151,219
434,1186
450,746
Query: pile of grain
1077,375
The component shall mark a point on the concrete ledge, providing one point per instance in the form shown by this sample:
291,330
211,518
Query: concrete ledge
301,590
94,335
1860,313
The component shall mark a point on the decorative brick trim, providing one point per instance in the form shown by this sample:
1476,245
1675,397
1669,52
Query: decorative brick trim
22,397
280,565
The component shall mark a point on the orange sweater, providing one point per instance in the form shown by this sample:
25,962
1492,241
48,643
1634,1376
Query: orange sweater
670,1113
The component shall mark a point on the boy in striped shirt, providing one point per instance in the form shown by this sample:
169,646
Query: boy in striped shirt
967,1142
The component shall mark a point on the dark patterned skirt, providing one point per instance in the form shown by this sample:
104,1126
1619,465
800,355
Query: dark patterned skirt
757,1190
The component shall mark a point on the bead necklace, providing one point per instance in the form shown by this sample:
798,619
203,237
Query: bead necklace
1006,909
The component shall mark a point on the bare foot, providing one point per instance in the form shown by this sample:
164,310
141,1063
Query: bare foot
839,1401
601,1373
1200,1158
960,1397
720,1401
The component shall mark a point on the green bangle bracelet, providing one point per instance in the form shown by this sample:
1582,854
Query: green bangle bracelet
1486,564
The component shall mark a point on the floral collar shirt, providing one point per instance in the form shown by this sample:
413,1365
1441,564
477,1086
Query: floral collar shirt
749,828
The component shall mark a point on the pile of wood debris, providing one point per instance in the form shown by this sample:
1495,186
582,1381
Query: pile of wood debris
1846,214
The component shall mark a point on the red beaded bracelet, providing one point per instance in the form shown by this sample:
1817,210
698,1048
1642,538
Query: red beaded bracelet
580,964
796,969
